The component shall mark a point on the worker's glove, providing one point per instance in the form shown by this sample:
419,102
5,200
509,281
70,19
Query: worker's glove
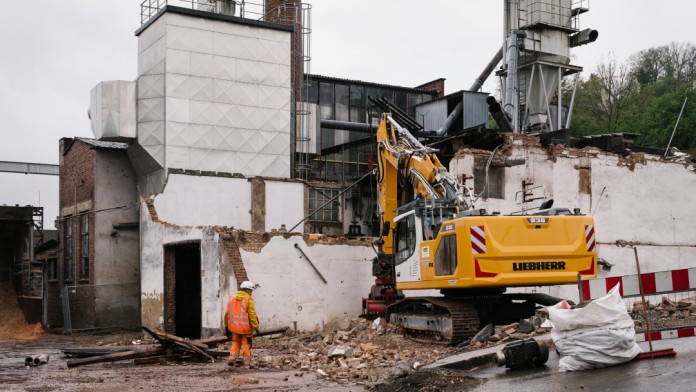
228,333
256,330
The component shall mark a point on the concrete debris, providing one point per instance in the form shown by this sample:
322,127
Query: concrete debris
340,351
379,323
667,314
484,334
252,380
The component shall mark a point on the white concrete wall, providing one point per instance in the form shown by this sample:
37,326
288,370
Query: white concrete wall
292,292
155,236
205,201
284,205
650,205
117,263
215,95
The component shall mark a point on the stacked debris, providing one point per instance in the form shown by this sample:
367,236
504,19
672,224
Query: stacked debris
166,347
348,350
666,314
493,335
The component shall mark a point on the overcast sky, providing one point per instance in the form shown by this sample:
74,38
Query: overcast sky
53,52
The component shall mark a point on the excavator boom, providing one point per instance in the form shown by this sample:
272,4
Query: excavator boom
432,238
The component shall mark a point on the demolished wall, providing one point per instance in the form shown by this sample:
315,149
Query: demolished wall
637,199
292,293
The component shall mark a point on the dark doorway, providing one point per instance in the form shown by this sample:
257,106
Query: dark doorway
182,274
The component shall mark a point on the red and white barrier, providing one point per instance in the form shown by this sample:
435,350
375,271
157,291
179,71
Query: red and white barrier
667,334
653,283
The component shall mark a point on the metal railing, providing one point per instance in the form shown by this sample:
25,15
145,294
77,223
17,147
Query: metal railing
240,8
88,307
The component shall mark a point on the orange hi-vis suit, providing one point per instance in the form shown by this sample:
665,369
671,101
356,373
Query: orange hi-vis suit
241,321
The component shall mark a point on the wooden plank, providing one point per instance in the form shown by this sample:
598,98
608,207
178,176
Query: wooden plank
195,349
213,340
174,338
92,352
117,356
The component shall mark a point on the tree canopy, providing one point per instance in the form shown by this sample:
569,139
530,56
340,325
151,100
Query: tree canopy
644,96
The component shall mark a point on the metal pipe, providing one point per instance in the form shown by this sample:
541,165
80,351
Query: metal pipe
514,41
348,126
675,126
487,71
583,37
572,102
498,115
310,262
449,122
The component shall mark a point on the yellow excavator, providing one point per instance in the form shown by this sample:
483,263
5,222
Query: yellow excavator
433,237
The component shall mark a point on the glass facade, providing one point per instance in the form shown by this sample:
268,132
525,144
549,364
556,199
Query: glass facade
350,154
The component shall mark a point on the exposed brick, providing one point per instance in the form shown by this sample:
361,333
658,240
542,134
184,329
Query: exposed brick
76,189
235,257
437,85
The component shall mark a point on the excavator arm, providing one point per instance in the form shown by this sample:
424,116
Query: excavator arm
407,171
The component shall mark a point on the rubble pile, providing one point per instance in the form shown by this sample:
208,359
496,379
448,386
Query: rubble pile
666,314
357,350
348,350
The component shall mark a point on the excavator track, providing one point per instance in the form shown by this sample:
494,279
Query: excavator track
454,319
435,319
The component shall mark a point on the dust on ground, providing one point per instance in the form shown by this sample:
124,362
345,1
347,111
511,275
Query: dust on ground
12,324
435,380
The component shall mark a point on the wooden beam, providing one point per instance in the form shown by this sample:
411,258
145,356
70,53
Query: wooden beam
121,356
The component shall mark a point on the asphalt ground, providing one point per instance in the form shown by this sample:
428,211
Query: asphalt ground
660,374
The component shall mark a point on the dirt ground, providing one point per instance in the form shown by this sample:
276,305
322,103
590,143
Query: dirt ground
12,324
187,376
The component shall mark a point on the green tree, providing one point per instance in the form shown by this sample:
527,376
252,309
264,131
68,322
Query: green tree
603,99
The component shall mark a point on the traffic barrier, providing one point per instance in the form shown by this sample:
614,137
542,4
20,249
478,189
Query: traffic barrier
654,283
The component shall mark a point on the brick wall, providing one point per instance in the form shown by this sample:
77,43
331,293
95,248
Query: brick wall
438,84
76,193
169,289
283,12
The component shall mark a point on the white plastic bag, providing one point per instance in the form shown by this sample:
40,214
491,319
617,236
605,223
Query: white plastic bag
599,335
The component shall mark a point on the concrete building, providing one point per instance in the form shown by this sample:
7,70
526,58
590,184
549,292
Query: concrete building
231,187
99,269
637,199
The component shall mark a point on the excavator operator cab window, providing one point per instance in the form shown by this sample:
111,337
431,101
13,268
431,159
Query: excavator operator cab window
405,239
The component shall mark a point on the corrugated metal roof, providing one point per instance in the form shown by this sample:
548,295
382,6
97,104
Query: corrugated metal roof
349,81
103,144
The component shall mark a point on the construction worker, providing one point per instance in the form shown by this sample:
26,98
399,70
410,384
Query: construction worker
241,323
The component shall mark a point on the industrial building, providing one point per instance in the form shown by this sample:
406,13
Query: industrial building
228,160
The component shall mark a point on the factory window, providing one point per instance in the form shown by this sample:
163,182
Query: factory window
68,248
357,104
52,269
342,102
413,100
84,246
401,100
446,256
326,101
313,93
327,212
387,94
